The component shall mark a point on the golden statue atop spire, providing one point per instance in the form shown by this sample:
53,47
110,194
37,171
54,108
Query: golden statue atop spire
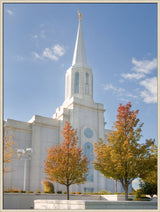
80,15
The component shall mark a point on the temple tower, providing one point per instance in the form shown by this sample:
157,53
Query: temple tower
79,78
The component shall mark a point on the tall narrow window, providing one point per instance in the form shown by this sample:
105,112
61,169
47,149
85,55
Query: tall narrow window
76,82
88,152
87,84
67,87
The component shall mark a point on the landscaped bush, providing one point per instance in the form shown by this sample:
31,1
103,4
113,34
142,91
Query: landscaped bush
145,198
48,187
103,192
78,192
59,192
138,195
72,192
133,191
95,193
30,192
21,191
12,190
117,193
65,192
38,191
141,197
85,192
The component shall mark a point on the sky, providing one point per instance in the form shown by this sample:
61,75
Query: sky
121,48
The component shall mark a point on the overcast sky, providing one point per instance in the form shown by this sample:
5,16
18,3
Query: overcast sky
121,48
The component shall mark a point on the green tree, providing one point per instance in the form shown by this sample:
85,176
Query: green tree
149,176
122,157
65,163
148,188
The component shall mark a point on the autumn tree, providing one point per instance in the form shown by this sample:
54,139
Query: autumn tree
8,150
65,163
122,157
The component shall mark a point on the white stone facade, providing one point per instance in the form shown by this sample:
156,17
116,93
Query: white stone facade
40,132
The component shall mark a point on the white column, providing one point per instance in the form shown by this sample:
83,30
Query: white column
25,174
35,181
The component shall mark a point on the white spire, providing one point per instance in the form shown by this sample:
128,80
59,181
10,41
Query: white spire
79,57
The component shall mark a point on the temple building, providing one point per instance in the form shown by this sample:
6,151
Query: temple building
39,133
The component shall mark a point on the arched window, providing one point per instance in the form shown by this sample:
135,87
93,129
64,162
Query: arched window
88,152
76,82
87,84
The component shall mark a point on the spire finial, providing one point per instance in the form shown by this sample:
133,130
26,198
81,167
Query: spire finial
80,15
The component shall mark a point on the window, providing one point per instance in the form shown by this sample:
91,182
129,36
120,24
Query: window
67,86
88,133
88,152
87,84
76,82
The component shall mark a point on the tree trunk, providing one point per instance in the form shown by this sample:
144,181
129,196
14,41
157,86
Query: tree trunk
115,181
67,192
126,192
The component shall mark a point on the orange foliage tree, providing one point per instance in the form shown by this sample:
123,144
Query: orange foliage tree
8,150
122,157
66,163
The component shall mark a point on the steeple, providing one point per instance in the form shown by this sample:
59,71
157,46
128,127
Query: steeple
79,78
79,57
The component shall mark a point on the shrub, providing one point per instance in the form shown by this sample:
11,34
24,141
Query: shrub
133,191
103,192
145,198
59,192
138,195
21,191
85,192
38,191
72,192
96,193
48,187
117,193
78,192
30,192
65,192
12,190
